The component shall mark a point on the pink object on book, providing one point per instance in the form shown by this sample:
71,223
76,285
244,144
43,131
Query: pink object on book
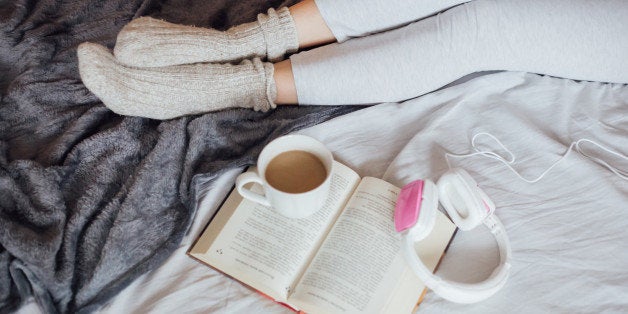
408,205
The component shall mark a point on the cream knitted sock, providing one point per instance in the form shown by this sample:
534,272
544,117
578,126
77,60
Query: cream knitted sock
173,91
148,42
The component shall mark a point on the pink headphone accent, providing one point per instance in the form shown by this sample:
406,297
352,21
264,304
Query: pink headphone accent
408,205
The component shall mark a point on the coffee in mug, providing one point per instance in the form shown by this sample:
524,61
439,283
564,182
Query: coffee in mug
295,171
295,174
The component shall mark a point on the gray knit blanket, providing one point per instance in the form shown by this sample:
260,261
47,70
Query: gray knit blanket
90,200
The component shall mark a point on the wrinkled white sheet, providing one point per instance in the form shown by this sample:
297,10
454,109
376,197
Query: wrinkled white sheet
569,231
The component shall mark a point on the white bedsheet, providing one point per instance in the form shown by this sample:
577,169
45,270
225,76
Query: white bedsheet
569,231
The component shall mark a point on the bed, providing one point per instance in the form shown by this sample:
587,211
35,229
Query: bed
568,231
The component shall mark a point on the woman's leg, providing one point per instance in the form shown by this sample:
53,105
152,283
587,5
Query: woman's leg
326,21
284,84
311,28
575,39
357,18
174,91
149,42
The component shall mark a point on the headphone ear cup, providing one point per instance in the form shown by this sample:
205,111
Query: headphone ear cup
458,193
427,215
484,206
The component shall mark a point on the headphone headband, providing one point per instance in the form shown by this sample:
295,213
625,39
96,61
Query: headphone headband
468,206
463,292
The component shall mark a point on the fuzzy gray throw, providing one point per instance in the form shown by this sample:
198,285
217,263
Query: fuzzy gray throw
90,200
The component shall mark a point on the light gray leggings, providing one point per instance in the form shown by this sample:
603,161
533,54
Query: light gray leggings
576,39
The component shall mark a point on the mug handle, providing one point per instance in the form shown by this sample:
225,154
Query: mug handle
249,177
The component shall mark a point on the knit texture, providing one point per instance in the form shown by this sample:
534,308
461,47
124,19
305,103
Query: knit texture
149,42
174,91
91,200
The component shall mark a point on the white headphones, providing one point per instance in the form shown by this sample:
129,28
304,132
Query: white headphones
468,207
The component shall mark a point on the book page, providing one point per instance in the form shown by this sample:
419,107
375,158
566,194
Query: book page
403,298
268,251
360,267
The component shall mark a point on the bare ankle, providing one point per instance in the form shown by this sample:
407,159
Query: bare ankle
284,81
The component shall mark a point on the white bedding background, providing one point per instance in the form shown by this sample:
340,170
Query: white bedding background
569,231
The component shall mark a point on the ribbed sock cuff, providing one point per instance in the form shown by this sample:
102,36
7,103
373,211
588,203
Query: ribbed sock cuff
265,101
279,32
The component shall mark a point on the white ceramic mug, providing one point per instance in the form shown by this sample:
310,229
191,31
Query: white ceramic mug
292,205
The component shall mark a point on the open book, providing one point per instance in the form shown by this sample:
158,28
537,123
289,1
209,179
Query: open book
344,258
